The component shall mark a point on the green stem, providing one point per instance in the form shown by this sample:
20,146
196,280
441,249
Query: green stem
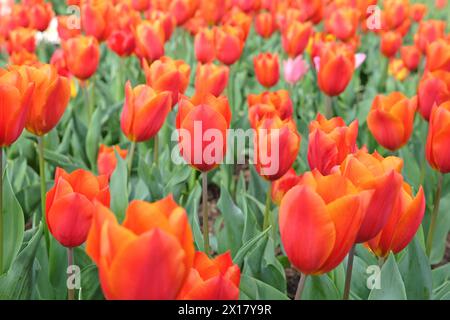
156,149
348,275
70,290
328,107
1,211
130,157
267,218
434,214
381,261
41,149
301,286
205,212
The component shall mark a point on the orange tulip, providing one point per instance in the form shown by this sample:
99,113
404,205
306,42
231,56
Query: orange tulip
391,119
212,11
418,10
330,141
58,60
429,31
395,13
144,112
106,159
166,74
22,39
277,101
267,69
229,44
15,96
237,18
168,22
149,256
141,5
70,205
318,234
438,56
391,42
182,10
121,42
212,279
434,88
150,39
204,45
337,64
411,56
82,56
281,186
40,15
398,69
211,78
439,138
295,38
67,27
96,18
402,225
276,143
23,57
265,24
202,123
343,23
311,10
382,180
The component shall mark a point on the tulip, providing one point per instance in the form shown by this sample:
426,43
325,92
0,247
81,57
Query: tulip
403,224
440,4
318,234
295,38
121,42
284,17
391,42
67,27
237,18
311,10
265,24
144,112
418,11
229,44
168,22
337,63
170,75
96,18
141,5
149,256
82,56
212,279
267,69
391,119
438,138
23,58
434,88
22,39
58,60
182,10
281,186
106,159
211,78
330,141
150,38
343,23
70,205
429,31
294,69
204,45
438,56
395,13
411,56
278,101
40,15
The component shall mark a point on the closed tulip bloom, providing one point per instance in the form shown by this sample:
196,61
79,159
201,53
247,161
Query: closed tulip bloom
403,224
202,124
121,42
148,257
211,78
212,279
70,205
229,44
82,56
281,186
150,39
311,10
237,18
391,42
67,27
438,56
96,18
141,5
428,32
205,51
318,234
337,64
23,58
279,100
276,143
411,56
440,4
294,69
58,60
265,24
395,12
382,179
439,138
295,38
267,69
434,88
15,97
182,10
330,141
22,39
166,74
418,11
40,15
212,11
106,159
343,23
168,22
144,112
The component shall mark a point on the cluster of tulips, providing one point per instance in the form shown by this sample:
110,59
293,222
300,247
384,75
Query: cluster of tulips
350,196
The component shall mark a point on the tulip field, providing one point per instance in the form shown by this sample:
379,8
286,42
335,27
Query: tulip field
224,150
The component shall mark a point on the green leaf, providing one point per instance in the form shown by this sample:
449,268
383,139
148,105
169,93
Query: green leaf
441,275
93,137
254,289
249,245
119,188
13,225
391,283
441,232
90,284
358,288
192,211
17,283
320,288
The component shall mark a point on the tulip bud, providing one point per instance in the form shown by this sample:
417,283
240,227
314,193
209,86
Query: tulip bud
281,186
106,159
229,44
40,15
141,5
294,69
411,56
265,24
418,10
438,56
82,56
439,138
211,78
343,23
70,205
295,38
150,39
267,69
279,101
204,45
391,42
96,18
429,31
434,88
121,42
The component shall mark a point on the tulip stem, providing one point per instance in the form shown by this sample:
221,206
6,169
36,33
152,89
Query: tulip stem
328,107
301,286
267,219
348,275
1,211
87,101
205,212
155,150
434,214
41,149
70,290
130,157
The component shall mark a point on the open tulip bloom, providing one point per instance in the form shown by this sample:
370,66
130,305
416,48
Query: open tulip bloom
224,150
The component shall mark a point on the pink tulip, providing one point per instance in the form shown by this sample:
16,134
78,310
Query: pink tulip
294,69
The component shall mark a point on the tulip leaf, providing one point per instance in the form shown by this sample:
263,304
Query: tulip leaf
90,284
391,286
93,137
359,288
441,232
254,289
320,288
13,224
191,206
17,283
119,188
247,247
441,275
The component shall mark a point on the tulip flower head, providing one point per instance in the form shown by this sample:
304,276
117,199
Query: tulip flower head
229,43
82,56
391,42
205,51
434,89
281,186
438,56
268,104
411,57
150,39
438,138
294,69
107,160
267,69
265,24
295,38
211,78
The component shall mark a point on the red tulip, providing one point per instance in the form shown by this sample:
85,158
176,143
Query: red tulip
434,89
121,42
204,45
40,14
82,56
229,44
439,137
96,18
411,56
22,39
343,23
438,56
269,103
150,39
281,186
211,78
429,31
106,159
295,38
267,69
391,42
265,24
